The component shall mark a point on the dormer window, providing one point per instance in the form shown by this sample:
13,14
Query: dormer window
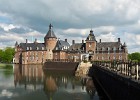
108,50
120,48
114,49
27,48
103,49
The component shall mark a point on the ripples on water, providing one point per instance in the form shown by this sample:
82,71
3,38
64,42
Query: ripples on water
31,82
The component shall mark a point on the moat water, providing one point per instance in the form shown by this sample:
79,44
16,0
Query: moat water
31,82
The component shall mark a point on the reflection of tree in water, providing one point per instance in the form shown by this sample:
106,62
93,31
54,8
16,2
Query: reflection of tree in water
50,87
8,70
90,88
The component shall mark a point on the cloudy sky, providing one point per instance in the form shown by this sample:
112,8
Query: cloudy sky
71,19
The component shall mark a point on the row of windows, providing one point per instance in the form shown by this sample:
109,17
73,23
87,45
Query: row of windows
32,58
63,48
108,58
108,52
108,49
37,48
35,53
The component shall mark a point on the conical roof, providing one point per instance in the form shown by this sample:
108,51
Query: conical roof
16,44
50,33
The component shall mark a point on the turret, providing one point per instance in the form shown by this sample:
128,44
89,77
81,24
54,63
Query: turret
16,44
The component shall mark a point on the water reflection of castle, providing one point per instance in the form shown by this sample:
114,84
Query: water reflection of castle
33,77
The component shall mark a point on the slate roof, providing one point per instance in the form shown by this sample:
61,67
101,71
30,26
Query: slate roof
16,44
50,33
77,47
60,45
32,46
91,36
105,45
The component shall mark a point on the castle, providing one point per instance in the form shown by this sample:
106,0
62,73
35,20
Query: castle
56,49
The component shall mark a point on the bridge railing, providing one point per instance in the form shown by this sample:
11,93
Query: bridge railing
127,68
61,60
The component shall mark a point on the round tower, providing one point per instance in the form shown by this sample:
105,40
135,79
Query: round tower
50,41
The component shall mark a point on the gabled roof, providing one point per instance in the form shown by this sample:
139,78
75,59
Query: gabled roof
61,45
32,46
50,33
91,36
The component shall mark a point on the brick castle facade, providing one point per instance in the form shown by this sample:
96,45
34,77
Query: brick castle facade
56,49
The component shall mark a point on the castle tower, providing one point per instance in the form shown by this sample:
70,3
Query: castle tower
50,41
91,43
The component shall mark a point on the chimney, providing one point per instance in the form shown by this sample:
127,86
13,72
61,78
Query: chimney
26,41
82,41
35,41
119,40
73,41
100,41
65,40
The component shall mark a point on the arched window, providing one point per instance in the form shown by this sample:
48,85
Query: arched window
120,48
103,49
108,50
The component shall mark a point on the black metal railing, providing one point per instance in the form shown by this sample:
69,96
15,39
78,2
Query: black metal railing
127,68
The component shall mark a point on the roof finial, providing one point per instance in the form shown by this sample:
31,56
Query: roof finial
50,26
91,31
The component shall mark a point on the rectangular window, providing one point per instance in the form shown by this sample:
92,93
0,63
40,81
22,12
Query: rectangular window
90,45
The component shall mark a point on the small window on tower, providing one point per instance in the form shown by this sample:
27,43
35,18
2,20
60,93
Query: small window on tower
27,48
90,45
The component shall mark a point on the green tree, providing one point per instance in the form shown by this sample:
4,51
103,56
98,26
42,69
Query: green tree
1,55
134,56
129,56
7,55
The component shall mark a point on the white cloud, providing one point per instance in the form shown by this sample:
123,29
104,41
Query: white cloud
107,37
110,19
7,27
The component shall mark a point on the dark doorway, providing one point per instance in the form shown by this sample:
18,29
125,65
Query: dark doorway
90,58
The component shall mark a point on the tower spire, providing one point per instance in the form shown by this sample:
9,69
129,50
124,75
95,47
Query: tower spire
50,26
